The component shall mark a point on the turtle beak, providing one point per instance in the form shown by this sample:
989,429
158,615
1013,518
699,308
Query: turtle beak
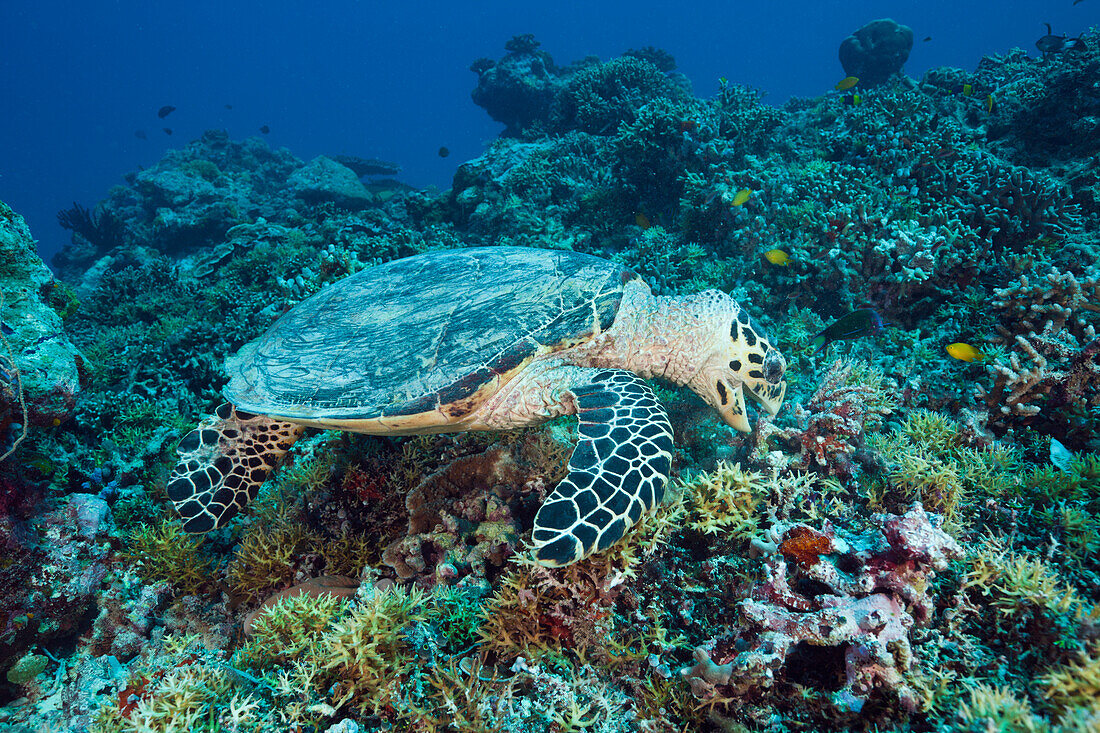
768,396
731,405
732,401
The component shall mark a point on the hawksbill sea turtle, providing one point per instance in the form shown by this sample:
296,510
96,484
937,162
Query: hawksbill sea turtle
488,338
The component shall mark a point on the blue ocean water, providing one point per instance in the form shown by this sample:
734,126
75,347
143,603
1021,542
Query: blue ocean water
391,80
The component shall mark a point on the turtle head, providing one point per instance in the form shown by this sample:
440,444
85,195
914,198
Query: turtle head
741,360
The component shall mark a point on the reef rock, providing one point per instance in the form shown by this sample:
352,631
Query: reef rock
36,356
520,89
876,51
860,597
323,179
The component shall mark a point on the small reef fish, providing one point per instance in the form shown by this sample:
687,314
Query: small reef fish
927,39
167,130
444,152
989,103
852,100
777,257
165,111
229,106
963,352
967,90
862,322
265,129
1051,43
846,83
742,196
641,220
140,135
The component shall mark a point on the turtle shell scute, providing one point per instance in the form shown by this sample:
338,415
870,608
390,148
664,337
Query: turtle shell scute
424,333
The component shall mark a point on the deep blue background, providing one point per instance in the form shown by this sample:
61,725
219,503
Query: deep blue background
391,80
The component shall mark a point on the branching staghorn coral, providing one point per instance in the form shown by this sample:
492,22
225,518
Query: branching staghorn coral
1051,380
164,552
1075,688
1019,585
934,460
724,500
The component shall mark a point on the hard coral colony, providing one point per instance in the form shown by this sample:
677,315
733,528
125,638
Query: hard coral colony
910,544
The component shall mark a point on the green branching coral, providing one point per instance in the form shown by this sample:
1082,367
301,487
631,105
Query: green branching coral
1075,687
1069,500
266,559
1016,584
991,708
291,629
365,650
163,551
929,459
724,500
457,616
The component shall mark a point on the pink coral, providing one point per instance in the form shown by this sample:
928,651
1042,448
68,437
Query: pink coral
832,422
870,591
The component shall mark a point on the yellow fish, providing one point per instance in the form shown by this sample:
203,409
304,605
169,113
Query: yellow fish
847,83
642,220
777,257
963,352
989,103
742,196
967,90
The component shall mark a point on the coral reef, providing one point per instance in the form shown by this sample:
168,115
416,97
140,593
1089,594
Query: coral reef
911,544
40,369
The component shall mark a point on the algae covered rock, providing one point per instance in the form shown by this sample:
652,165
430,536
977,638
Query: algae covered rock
876,51
520,89
27,668
36,356
323,179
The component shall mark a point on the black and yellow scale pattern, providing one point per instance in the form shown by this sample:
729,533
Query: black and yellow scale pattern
617,471
223,463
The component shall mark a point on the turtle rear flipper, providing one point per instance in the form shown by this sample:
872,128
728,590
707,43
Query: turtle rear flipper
617,471
223,462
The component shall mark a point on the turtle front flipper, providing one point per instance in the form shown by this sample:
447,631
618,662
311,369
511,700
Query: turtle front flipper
223,462
616,473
